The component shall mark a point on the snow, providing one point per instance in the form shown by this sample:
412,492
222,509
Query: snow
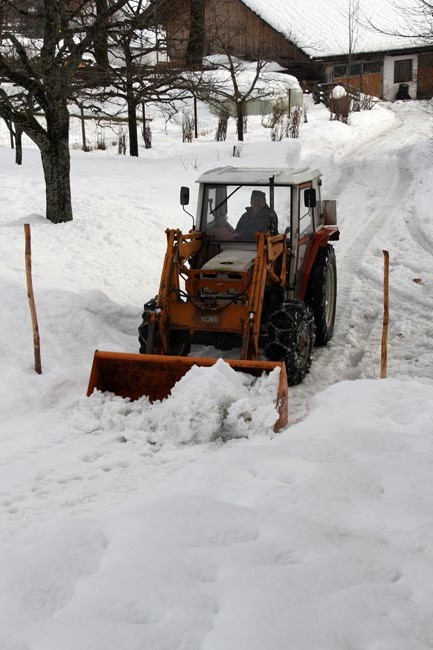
206,404
308,24
188,524
338,92
262,93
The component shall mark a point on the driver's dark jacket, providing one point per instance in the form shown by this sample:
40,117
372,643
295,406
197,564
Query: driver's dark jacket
264,220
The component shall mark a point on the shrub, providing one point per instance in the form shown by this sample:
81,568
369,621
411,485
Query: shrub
187,127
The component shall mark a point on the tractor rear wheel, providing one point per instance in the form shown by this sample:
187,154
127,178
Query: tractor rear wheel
144,327
291,334
321,293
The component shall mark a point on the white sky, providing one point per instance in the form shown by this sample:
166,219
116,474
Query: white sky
129,526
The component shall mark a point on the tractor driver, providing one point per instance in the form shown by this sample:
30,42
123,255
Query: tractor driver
258,217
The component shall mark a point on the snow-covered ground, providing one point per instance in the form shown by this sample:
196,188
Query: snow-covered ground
135,526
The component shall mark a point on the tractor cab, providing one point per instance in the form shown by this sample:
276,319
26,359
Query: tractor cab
236,203
233,201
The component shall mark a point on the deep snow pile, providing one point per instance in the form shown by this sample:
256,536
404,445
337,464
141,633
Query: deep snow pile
129,525
205,404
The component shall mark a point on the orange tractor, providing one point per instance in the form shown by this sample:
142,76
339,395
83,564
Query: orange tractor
258,283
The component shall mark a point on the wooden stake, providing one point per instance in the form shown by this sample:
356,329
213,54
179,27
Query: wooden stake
384,352
30,295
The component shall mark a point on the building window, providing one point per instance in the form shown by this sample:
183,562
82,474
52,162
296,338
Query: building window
340,71
402,71
371,66
355,69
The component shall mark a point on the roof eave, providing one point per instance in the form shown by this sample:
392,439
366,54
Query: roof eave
387,52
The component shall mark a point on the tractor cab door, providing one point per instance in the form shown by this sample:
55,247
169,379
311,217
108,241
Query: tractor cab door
307,209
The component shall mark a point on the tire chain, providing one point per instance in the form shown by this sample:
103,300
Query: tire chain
284,343
148,308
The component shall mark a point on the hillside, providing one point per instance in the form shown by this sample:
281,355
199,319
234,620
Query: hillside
134,526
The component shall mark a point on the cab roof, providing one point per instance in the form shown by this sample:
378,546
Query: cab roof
258,175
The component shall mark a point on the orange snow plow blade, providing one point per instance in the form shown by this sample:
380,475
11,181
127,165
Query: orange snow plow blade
154,375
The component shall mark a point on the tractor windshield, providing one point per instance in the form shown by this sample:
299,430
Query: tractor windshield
238,212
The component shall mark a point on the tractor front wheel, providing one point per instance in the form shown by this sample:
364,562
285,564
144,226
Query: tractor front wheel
291,334
321,293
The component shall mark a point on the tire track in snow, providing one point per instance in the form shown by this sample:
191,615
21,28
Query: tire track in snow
355,278
355,348
417,234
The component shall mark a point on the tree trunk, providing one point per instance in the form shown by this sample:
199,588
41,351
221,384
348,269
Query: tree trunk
19,145
240,121
130,101
56,165
101,38
132,128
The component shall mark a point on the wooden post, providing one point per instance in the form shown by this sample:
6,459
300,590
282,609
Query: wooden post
384,351
30,295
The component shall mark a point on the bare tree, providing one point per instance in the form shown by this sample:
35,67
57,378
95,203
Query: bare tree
42,75
340,106
234,83
22,17
352,32
223,118
100,42
231,86
412,21
135,75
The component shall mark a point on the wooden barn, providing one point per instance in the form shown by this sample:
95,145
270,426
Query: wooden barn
309,38
197,28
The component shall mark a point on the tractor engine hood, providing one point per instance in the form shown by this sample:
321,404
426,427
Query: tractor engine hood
231,260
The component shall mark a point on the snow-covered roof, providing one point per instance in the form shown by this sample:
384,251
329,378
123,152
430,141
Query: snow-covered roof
321,27
258,175
269,87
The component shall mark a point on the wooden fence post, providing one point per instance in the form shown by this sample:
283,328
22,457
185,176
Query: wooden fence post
30,295
384,351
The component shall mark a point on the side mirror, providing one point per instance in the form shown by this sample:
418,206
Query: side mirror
184,195
310,200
